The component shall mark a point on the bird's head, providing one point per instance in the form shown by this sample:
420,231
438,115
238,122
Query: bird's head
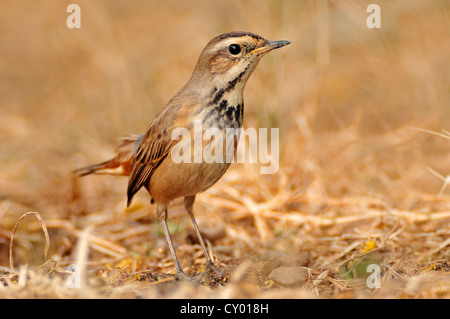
228,60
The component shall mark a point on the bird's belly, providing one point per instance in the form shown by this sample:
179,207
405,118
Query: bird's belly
172,180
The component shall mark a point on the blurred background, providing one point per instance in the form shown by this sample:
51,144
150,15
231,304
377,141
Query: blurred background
351,104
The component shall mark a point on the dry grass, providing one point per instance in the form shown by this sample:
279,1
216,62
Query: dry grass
361,181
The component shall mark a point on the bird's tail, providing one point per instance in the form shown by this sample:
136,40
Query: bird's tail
108,167
119,165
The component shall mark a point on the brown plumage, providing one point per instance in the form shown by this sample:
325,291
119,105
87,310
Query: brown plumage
119,165
213,97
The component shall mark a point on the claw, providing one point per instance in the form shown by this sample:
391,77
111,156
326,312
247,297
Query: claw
181,275
210,266
205,276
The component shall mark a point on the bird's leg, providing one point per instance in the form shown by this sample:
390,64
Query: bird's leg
162,215
189,204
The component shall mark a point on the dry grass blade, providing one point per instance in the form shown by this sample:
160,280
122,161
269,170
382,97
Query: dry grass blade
97,243
11,244
445,179
444,133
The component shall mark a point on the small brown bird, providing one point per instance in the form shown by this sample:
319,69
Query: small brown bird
171,165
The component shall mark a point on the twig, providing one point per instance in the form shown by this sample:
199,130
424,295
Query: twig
11,244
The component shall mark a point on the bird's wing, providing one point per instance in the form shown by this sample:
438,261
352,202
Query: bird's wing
155,146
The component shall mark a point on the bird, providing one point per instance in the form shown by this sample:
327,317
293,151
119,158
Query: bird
166,162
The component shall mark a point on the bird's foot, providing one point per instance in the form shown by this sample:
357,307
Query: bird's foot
181,275
212,273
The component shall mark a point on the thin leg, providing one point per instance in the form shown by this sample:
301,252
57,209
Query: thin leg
189,204
180,272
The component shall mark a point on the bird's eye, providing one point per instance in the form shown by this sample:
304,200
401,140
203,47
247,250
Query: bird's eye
234,49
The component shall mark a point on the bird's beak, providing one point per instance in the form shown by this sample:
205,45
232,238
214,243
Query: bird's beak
271,45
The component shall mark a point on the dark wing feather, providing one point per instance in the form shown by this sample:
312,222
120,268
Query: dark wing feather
154,147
